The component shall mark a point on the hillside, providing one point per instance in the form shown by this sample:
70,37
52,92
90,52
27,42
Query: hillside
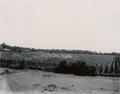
105,64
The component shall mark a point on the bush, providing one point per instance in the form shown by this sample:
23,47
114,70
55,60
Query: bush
78,68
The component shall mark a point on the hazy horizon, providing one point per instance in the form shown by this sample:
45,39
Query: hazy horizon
61,24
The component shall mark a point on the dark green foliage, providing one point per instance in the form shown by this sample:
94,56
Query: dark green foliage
106,69
62,67
12,64
78,68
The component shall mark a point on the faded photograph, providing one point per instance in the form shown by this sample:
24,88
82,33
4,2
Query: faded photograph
59,47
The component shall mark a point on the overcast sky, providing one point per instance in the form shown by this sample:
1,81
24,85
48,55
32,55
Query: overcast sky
61,24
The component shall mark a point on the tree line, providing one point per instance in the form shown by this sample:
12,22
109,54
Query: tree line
23,49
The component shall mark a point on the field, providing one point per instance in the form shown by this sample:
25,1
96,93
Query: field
39,82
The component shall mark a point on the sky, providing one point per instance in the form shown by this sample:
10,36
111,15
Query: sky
61,24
